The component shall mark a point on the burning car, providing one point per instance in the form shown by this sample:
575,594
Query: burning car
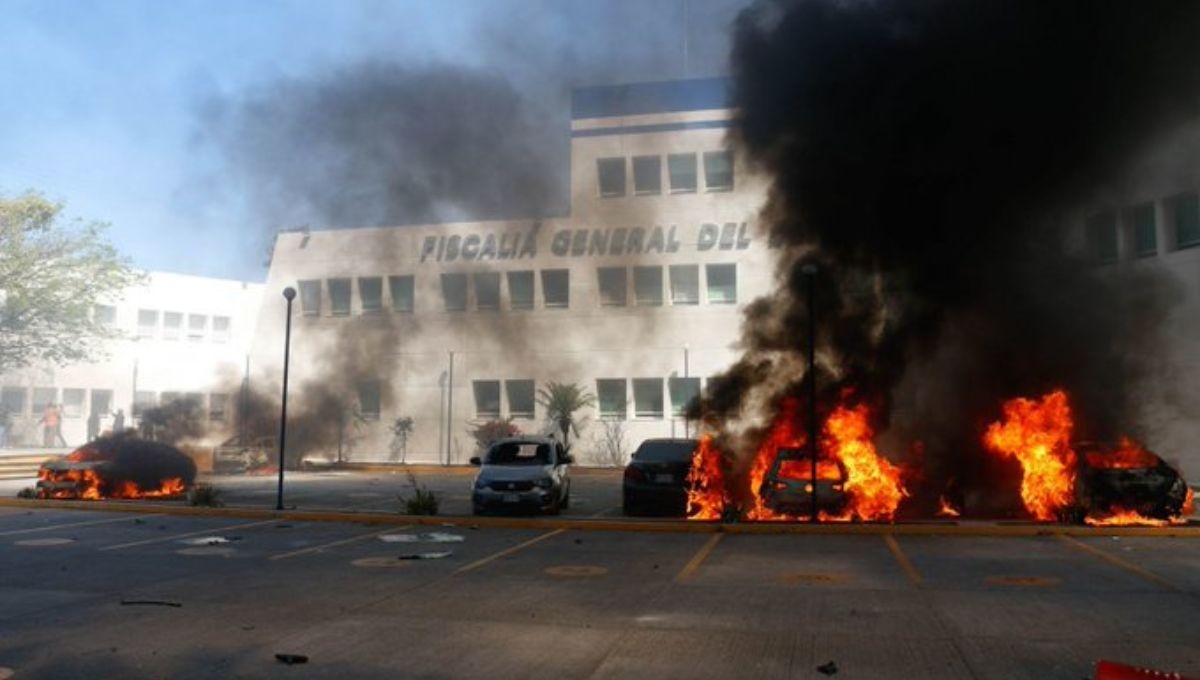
1125,479
118,467
788,487
235,456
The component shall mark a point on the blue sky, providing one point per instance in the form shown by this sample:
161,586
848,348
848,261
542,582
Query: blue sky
101,98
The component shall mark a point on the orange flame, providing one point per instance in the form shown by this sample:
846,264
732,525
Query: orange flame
947,509
92,486
872,482
1038,433
1128,455
707,496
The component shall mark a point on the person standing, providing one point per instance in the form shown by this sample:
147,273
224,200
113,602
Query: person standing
119,422
50,424
93,426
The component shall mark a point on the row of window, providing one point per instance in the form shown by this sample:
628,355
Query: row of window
682,175
649,397
172,326
651,287
1136,227
21,401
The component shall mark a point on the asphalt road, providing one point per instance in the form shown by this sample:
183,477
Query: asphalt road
91,594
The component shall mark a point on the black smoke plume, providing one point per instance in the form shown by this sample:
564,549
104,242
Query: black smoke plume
932,158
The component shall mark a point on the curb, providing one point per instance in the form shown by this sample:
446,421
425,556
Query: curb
585,524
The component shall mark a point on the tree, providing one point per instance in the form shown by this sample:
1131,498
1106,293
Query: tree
561,401
51,276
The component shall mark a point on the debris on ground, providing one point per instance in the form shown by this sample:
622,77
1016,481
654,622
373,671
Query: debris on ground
159,603
291,659
425,556
210,540
432,537
828,669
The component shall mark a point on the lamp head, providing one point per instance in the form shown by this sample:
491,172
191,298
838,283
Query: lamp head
289,293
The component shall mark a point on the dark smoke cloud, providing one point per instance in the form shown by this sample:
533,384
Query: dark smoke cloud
932,158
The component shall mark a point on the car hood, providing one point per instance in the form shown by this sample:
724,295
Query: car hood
515,473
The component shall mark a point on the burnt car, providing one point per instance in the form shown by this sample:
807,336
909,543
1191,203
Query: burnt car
655,481
522,473
118,466
1125,477
788,487
235,456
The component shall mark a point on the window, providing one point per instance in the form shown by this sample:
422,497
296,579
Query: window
1102,236
43,396
217,403
487,290
370,294
339,297
648,398
610,394
73,399
722,283
195,403
169,398
197,326
520,398
718,170
402,293
141,402
612,176
147,323
454,292
12,399
1186,209
310,298
172,325
683,390
555,288
220,329
102,401
368,400
682,170
647,175
105,315
520,290
1142,223
487,399
612,281
647,286
685,284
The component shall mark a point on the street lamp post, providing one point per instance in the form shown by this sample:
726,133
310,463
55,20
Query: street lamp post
810,276
686,428
289,294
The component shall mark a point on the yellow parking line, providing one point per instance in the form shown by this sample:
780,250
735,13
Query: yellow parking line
1121,564
697,559
914,576
318,548
162,539
508,551
68,526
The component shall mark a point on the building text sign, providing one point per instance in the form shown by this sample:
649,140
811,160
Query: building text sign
614,241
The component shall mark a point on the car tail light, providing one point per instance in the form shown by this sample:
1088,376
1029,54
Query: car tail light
634,474
808,488
837,487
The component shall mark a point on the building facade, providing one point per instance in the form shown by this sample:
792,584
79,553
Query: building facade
636,296
183,337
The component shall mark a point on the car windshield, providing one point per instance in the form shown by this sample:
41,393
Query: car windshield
518,453
666,451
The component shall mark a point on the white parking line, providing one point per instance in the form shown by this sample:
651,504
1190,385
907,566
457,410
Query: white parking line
162,539
318,548
73,524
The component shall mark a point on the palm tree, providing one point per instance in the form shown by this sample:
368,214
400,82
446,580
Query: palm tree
561,401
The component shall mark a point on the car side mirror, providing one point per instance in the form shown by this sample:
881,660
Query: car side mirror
475,460
568,459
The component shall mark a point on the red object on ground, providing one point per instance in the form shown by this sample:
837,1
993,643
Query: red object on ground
1111,670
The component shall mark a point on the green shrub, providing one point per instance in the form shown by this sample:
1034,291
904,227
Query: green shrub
27,492
423,501
205,495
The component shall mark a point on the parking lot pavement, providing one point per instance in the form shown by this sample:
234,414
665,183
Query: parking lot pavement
94,594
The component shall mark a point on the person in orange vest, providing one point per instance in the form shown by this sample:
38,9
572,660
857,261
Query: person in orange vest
52,426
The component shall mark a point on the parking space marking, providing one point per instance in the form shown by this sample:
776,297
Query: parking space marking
508,551
603,512
1120,563
162,539
906,565
53,527
693,564
334,544
1023,581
